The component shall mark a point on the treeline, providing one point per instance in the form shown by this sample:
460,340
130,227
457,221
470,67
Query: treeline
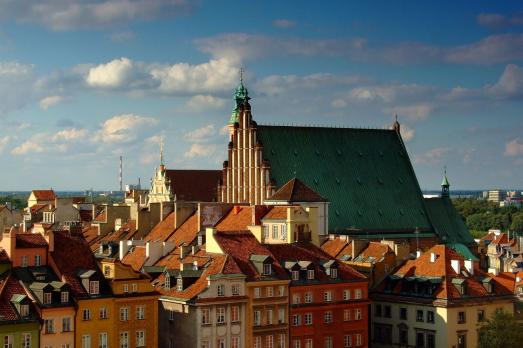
17,201
482,215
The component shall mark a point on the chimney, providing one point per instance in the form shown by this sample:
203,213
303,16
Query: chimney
124,247
469,266
455,265
195,265
418,253
433,257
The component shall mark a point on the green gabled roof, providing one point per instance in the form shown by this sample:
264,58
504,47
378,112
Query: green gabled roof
365,174
447,222
464,251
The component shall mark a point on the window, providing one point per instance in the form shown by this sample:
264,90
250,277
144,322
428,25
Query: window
403,336
167,283
282,341
140,312
358,339
269,291
256,292
420,339
346,295
124,339
308,318
47,298
461,317
26,340
24,261
94,287
283,232
357,314
171,314
103,313
269,316
357,294
281,315
235,313
66,324
220,315
347,341
8,341
107,271
140,338
327,342
346,315
419,315
221,290
334,273
235,342
327,296
481,315
274,231
430,316
296,344
126,288
296,320
388,313
310,274
124,313
48,326
308,343
179,284
257,318
257,342
377,310
64,296
267,269
102,340
308,297
265,232
206,315
403,313
295,275
38,260
86,341
296,299
269,341
134,288
431,340
327,317
281,290
86,314
235,289
24,310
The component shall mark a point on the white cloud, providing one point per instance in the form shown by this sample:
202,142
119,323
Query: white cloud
123,128
29,146
432,156
70,134
495,49
4,141
47,102
283,23
205,102
110,75
77,14
509,84
407,133
201,150
514,148
201,134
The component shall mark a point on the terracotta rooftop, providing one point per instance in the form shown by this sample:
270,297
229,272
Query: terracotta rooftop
44,195
162,230
501,239
30,240
239,217
90,233
125,232
489,236
101,216
334,246
296,191
194,185
186,232
276,212
135,258
9,286
375,250
38,207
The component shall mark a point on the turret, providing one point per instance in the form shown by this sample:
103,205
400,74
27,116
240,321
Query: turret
445,185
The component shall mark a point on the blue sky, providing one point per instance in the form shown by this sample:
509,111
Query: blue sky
85,81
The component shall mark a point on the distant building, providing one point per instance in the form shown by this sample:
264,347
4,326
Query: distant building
496,196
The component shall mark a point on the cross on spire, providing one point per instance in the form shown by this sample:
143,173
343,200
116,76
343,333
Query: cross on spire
241,75
161,150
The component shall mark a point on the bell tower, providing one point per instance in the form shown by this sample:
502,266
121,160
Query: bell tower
445,186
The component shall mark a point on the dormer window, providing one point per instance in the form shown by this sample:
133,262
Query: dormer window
167,284
283,232
310,274
24,261
334,273
265,232
295,275
64,297
94,287
47,298
179,284
267,269
37,260
24,310
221,290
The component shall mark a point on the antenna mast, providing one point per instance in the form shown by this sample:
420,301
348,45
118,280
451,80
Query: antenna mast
121,174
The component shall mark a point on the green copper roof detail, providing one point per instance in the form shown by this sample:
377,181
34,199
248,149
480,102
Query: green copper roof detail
447,222
445,181
234,116
365,174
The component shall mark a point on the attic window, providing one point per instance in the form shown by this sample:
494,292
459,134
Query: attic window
267,269
94,287
295,275
24,310
167,283
179,284
310,274
334,273
47,298
487,284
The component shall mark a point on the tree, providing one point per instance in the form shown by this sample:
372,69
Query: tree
501,330
517,222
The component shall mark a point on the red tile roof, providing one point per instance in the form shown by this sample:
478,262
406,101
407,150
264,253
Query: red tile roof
296,191
239,217
86,215
276,212
44,195
30,240
163,230
195,185
37,207
101,216
240,245
376,250
501,239
333,247
4,258
90,233
186,232
135,258
125,232
9,286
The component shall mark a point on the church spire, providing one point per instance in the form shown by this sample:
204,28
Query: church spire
445,186
241,97
162,164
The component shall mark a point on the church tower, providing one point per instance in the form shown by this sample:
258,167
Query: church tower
160,184
245,174
445,186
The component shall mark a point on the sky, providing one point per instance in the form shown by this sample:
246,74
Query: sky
83,82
